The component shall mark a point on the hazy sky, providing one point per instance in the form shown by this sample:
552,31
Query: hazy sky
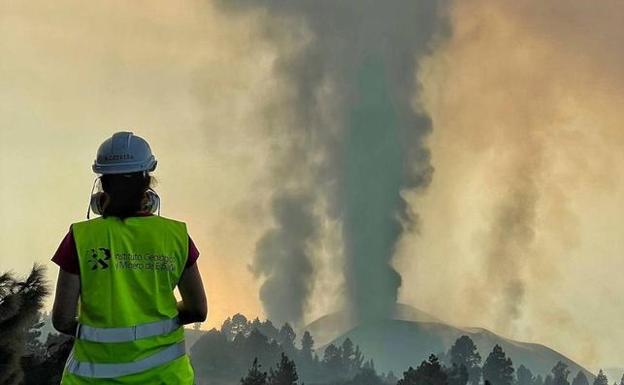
520,228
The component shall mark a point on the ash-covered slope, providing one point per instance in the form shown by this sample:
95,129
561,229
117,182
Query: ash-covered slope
328,327
396,344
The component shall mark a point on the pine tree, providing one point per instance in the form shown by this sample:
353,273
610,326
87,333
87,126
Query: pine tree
498,368
255,376
428,373
269,330
286,338
20,303
622,380
457,375
285,373
524,376
332,360
240,325
601,379
560,374
226,329
348,355
464,352
307,345
580,379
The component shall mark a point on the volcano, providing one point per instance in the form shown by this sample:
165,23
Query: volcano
411,335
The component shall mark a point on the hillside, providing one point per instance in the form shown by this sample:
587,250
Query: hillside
397,344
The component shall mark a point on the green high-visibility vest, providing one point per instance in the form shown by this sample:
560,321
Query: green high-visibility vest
128,330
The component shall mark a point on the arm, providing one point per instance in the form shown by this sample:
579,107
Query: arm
194,306
66,302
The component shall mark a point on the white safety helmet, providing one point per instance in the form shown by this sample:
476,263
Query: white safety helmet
124,153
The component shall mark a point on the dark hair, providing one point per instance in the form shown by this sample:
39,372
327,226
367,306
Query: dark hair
125,192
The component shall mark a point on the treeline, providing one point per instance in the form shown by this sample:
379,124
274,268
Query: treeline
221,356
464,369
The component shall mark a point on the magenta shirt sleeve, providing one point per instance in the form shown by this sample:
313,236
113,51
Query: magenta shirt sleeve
66,256
193,253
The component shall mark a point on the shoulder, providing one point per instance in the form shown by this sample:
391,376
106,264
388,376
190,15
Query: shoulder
86,223
164,221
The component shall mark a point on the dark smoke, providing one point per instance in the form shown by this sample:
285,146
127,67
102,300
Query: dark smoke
359,63
283,257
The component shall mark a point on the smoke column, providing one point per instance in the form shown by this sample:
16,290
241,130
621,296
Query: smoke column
355,134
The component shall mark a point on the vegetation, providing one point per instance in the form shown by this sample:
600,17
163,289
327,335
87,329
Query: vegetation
221,357
464,353
498,368
24,359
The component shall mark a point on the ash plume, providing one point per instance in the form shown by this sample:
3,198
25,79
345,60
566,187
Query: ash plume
525,100
353,131
283,257
510,247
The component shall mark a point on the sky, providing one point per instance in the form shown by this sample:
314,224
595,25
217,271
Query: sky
518,230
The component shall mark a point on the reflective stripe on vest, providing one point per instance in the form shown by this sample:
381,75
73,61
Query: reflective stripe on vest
132,333
98,370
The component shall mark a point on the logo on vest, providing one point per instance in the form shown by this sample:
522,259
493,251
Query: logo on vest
144,262
99,258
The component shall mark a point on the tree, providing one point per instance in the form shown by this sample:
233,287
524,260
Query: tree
366,377
347,351
548,380
285,373
43,362
390,378
307,345
254,376
269,330
498,368
226,329
464,352
601,379
539,380
255,324
428,373
560,374
348,358
240,325
580,379
369,365
214,357
525,376
256,344
332,360
286,338
358,359
622,380
20,303
457,375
